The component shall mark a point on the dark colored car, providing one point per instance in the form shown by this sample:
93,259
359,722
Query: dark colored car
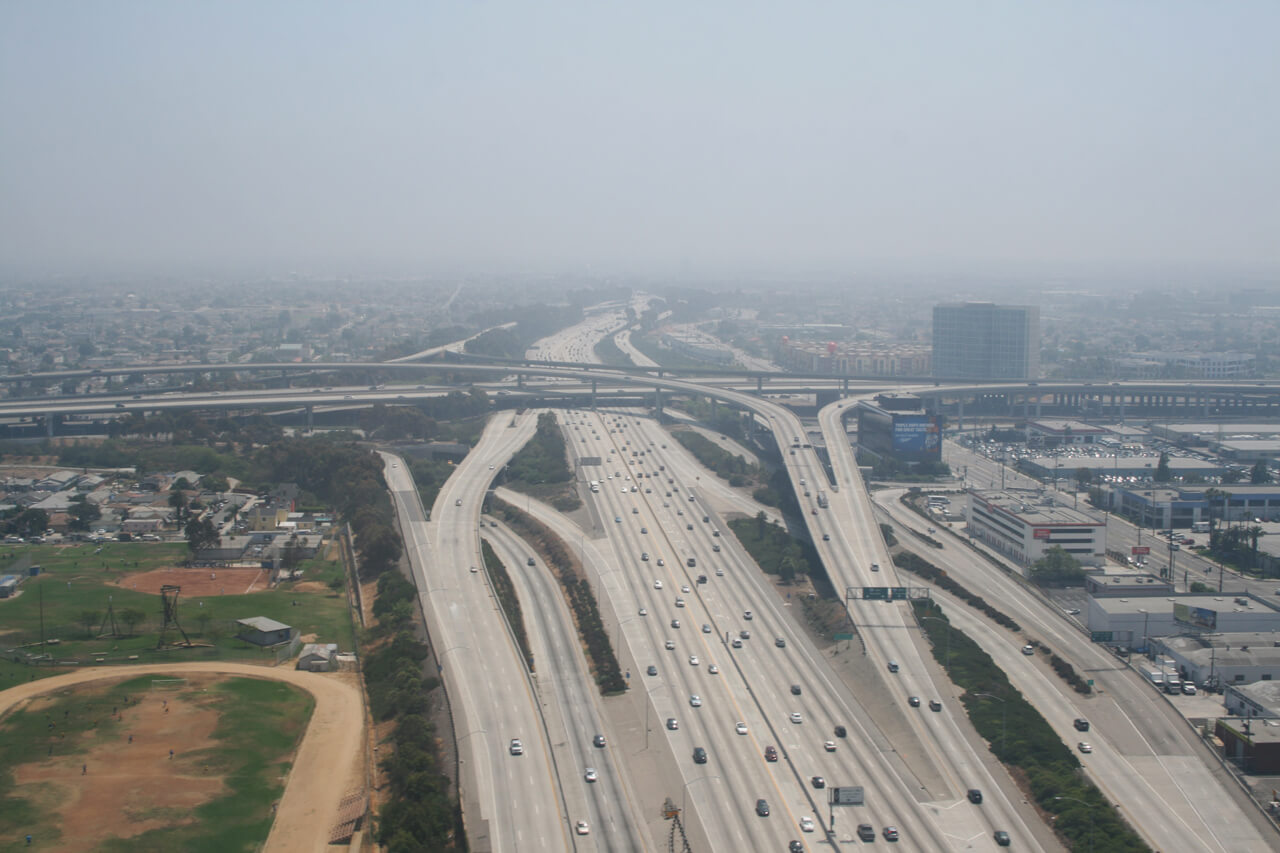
762,808
866,832
975,796
598,740
795,690
1002,838
699,755
841,732
770,753
818,782
1081,724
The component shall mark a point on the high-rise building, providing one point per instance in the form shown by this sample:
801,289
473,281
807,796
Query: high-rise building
982,340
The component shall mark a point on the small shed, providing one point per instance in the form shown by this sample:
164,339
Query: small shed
8,585
318,657
262,631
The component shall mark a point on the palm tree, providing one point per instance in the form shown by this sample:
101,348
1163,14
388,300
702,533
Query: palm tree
1254,532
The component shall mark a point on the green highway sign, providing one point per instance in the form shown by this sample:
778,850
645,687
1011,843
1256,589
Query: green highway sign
1100,636
839,637
876,592
898,592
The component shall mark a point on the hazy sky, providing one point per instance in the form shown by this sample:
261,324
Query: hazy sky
693,137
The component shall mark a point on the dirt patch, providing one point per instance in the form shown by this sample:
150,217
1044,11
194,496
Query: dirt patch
196,582
310,586
131,784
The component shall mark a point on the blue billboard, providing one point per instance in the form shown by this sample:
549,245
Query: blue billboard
917,436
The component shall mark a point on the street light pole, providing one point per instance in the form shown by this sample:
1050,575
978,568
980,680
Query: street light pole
1090,809
1004,717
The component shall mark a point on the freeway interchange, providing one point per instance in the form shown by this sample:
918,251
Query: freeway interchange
913,765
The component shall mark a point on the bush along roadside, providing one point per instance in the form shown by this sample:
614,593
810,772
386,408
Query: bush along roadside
1025,742
507,598
921,567
582,601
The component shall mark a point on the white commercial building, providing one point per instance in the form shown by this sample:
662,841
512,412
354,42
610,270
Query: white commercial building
1025,523
1128,620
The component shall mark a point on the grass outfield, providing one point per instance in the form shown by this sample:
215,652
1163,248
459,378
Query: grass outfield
78,580
104,781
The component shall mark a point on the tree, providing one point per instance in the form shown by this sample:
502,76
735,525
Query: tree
1057,566
131,618
89,618
787,570
178,500
201,534
1163,474
1254,532
1260,473
1084,476
83,514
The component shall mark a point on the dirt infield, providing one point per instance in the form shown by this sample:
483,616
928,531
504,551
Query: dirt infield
197,582
131,783
128,787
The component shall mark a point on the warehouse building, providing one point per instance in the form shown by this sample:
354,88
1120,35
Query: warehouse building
1224,659
1127,620
1023,524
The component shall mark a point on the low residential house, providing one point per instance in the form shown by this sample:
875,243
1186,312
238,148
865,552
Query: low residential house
261,631
318,657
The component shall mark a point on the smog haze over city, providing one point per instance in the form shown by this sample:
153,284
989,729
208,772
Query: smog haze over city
1025,143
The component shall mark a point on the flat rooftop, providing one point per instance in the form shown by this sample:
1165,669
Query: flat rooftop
1036,508
1163,603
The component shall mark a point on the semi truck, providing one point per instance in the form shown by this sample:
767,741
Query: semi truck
822,499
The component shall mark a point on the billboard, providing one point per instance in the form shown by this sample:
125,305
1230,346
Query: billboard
1196,617
1042,533
917,435
1140,549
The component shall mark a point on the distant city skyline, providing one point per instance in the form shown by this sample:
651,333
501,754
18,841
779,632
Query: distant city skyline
1058,143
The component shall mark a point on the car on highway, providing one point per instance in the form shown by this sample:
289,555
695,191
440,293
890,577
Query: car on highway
796,718
935,705
690,527
866,832
598,742
675,623
670,645
644,556
891,833
657,584
913,701
841,731
1001,838
706,629
699,755
715,548
713,669
531,562
744,635
737,643
679,601
662,562
826,537
746,614
806,824
719,573
794,846
875,567
1084,747
644,530
582,828
517,748
458,502
762,807
652,670
1028,649
618,519
672,724
644,612
591,775
474,570
1081,724
795,690
740,728
695,701
780,642
693,660
893,666
974,795
770,753
685,589
829,745
817,782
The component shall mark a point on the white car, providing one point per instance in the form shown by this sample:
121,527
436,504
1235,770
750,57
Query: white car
679,602
740,728
591,774
806,824
582,828
684,588
644,612
713,669
695,701
662,562
693,660
796,718
657,584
